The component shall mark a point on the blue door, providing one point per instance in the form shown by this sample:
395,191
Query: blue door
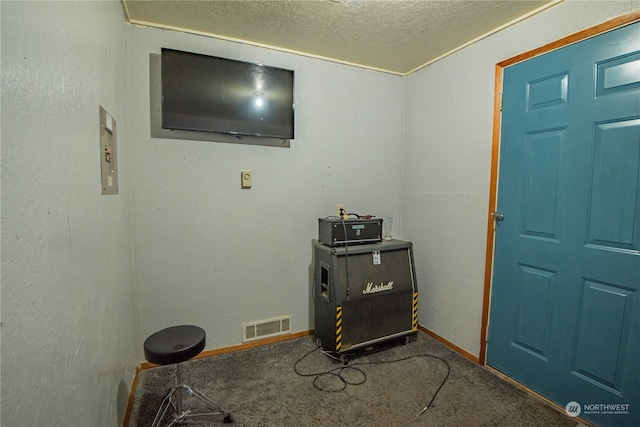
565,297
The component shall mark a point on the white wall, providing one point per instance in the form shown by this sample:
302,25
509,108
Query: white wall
210,253
447,160
68,317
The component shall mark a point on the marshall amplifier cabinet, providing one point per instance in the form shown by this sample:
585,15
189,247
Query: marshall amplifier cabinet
364,294
338,232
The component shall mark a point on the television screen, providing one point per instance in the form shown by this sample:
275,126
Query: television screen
211,94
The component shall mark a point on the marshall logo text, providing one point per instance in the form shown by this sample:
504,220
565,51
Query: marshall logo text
372,289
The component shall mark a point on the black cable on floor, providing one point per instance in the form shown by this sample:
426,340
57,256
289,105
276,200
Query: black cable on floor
337,372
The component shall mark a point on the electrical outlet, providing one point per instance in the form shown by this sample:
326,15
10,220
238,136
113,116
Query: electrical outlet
341,210
246,179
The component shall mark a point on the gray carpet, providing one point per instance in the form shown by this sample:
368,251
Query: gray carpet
261,388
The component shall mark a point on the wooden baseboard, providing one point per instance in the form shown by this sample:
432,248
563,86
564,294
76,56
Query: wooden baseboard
239,347
281,338
132,390
451,345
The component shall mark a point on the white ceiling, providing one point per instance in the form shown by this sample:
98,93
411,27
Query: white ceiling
395,36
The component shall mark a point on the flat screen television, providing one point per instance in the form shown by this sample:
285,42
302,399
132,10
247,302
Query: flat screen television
211,94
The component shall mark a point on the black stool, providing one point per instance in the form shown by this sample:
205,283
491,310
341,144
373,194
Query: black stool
171,346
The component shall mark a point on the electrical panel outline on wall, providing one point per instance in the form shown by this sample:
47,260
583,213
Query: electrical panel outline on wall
108,154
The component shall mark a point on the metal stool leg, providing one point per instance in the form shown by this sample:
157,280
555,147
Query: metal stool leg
166,402
180,413
178,388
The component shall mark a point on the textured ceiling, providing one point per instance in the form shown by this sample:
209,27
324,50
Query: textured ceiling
396,36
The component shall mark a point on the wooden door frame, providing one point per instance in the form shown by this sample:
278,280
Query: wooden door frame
612,24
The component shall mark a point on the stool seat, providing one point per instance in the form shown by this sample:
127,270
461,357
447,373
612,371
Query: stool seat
174,344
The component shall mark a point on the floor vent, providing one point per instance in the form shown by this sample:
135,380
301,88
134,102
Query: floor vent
266,328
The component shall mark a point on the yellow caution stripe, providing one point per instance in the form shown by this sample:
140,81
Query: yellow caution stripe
415,311
338,328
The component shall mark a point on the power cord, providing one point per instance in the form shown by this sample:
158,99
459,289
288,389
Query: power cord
346,247
338,372
346,255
